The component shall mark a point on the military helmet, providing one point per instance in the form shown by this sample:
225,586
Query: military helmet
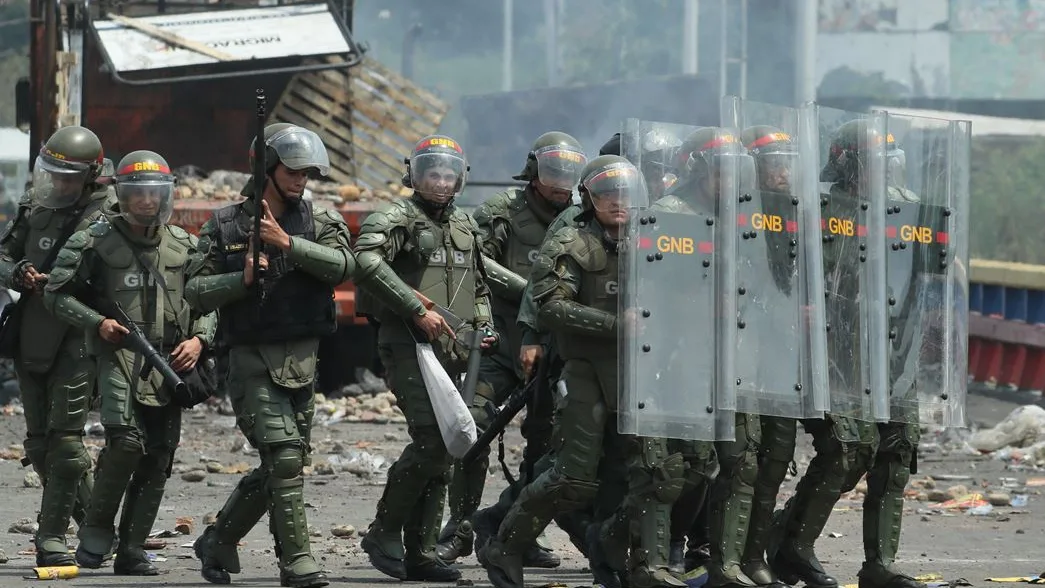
612,178
851,146
430,153
144,189
295,147
611,147
774,151
71,159
657,160
556,159
694,158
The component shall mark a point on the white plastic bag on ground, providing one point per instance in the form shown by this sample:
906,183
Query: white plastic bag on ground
456,424
1024,427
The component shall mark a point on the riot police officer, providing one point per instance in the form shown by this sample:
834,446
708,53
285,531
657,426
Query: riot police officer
427,244
115,263
55,375
575,288
513,224
844,443
273,338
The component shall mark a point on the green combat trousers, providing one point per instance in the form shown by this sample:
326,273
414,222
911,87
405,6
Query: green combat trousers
278,422
56,405
402,538
132,469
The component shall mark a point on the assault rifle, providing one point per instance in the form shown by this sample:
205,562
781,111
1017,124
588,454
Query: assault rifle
136,341
258,197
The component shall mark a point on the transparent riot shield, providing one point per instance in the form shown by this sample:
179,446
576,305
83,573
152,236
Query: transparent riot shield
926,182
781,341
851,155
676,344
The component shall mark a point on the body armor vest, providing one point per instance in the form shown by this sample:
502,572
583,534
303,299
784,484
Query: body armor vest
42,333
295,305
598,289
439,261
163,315
518,255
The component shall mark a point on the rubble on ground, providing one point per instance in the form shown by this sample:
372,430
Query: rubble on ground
196,184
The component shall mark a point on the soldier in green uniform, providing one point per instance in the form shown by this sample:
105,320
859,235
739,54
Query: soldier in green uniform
512,225
116,261
575,287
55,374
422,243
273,338
844,445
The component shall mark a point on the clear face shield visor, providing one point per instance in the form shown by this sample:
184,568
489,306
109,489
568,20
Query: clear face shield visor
299,149
777,170
146,203
618,188
559,167
58,184
441,175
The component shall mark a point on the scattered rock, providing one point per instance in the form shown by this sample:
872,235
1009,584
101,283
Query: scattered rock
999,498
214,467
323,469
957,491
154,544
391,437
237,468
184,525
210,518
939,496
194,476
14,452
32,480
24,526
343,531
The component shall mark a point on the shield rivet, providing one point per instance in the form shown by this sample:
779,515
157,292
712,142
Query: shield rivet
652,219
863,247
867,391
646,313
643,221
707,263
646,348
798,387
892,301
863,206
943,397
710,221
741,290
738,381
659,256
650,257
794,201
896,246
863,257
710,410
903,245
828,327
947,212
642,405
741,324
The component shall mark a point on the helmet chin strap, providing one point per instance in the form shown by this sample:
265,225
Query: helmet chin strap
287,200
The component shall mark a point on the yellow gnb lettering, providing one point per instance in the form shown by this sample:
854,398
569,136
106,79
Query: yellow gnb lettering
841,226
920,234
767,222
146,166
444,143
679,245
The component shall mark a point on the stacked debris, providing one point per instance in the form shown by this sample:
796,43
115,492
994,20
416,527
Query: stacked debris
196,184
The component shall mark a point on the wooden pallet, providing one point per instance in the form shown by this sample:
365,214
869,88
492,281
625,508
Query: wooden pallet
369,118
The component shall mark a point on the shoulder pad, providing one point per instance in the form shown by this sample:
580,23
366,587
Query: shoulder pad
78,240
385,219
903,194
497,206
370,241
180,233
26,199
99,228
466,219
668,204
327,214
582,246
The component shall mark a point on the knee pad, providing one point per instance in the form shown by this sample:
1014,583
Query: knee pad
671,479
570,494
742,467
285,461
67,457
36,451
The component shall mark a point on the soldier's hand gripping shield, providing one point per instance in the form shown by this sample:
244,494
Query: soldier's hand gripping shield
781,354
852,154
677,332
926,182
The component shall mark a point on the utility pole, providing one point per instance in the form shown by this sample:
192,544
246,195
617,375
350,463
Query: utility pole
509,39
690,26
805,51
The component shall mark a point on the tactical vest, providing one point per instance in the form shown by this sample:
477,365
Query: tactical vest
598,289
438,260
295,305
163,316
42,333
519,253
